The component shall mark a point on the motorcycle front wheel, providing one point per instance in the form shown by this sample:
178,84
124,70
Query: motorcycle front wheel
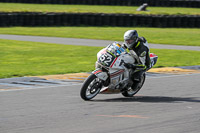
91,87
130,92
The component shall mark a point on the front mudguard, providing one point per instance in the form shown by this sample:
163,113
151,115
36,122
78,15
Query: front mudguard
100,74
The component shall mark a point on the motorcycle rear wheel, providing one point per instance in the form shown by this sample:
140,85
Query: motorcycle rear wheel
91,87
130,92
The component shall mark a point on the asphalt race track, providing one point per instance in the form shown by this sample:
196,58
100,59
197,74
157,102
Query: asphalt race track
167,103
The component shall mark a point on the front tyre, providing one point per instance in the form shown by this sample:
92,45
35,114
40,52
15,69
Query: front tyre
91,87
130,92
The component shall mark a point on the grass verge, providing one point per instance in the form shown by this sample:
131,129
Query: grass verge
176,36
17,7
19,58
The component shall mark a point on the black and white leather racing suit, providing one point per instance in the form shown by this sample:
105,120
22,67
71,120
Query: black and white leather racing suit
140,51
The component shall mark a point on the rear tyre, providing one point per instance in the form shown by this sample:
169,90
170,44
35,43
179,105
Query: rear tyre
130,92
91,87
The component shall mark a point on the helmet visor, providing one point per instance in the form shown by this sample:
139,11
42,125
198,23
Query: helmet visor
129,41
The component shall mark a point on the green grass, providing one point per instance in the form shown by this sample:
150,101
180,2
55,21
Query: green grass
16,7
176,36
19,58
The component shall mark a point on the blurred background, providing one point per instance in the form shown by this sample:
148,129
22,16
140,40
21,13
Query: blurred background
171,22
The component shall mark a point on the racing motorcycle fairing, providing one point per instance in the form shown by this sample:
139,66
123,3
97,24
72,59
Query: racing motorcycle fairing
112,59
113,56
109,55
153,58
100,74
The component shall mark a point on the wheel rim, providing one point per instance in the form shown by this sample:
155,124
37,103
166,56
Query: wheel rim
131,91
93,88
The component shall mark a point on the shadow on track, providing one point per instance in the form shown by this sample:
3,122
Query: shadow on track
151,99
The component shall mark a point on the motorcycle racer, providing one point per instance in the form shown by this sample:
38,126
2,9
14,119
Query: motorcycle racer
120,68
138,48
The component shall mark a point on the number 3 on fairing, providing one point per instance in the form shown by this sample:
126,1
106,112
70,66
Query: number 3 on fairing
106,58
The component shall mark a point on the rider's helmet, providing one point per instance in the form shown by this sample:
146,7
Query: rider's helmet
130,38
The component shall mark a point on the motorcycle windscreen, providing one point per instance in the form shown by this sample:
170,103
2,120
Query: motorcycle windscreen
106,59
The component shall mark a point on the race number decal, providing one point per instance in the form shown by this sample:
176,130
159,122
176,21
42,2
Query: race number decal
106,59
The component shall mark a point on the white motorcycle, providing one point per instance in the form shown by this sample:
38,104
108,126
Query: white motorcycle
111,76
